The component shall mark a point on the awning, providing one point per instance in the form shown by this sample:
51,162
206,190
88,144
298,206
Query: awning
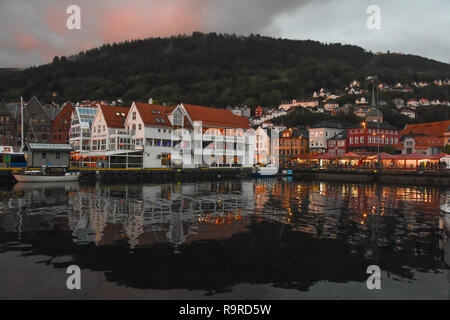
109,153
416,156
350,155
383,156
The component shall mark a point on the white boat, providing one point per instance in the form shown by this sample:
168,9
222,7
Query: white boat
40,176
268,171
444,204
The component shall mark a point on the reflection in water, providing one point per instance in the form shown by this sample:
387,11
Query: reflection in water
214,235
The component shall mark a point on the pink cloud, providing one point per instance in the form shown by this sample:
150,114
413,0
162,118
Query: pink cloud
26,41
124,22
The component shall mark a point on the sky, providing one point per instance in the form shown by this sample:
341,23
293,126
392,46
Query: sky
33,32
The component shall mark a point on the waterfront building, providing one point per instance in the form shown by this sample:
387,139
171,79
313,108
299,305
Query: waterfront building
8,125
262,147
292,143
52,155
108,130
151,130
80,128
338,144
319,135
220,138
426,138
37,121
61,124
367,137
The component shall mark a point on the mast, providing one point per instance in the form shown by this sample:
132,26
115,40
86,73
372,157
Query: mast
21,125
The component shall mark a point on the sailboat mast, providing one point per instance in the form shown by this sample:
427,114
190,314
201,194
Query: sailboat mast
21,126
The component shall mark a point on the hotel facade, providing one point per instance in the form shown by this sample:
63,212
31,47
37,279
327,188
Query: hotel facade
154,136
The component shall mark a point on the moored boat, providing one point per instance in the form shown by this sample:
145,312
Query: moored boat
47,175
268,171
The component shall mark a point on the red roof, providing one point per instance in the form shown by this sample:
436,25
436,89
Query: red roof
114,116
154,115
436,129
220,118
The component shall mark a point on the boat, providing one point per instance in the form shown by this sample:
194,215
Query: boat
47,174
444,204
268,171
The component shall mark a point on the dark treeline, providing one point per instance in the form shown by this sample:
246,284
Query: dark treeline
212,69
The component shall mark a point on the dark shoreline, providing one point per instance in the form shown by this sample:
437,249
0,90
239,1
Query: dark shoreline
431,178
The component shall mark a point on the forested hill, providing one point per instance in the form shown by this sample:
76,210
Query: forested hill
212,69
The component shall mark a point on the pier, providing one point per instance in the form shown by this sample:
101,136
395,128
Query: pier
149,175
388,176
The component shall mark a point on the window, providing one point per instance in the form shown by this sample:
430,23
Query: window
134,115
362,139
140,126
58,155
356,140
351,140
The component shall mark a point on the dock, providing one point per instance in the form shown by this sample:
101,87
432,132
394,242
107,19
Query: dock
148,175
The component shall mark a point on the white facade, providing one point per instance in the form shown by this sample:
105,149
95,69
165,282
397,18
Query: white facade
318,138
80,129
262,147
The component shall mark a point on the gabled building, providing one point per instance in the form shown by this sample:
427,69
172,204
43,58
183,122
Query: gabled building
151,129
220,137
37,122
108,129
80,128
319,135
8,125
61,124
292,143
427,138
338,144
263,148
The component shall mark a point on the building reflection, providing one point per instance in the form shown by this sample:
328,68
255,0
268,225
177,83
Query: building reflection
256,231
149,214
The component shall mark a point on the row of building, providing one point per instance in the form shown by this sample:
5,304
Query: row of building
368,137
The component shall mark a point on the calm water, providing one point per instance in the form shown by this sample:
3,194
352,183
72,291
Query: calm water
266,239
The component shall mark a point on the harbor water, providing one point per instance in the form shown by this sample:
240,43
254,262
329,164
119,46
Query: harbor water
271,238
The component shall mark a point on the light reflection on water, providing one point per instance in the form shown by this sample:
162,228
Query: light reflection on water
213,236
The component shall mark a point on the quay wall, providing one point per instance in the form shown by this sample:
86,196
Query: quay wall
149,175
437,178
